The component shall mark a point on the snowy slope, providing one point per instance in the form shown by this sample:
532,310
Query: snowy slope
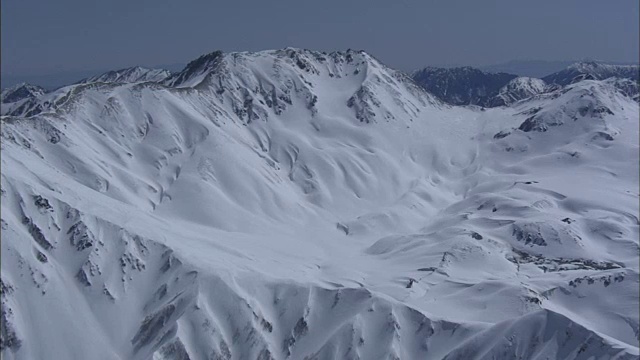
292,204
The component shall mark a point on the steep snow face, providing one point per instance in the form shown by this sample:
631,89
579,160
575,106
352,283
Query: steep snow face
15,97
462,86
518,89
129,75
591,70
292,204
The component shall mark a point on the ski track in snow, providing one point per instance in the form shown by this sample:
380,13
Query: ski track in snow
291,204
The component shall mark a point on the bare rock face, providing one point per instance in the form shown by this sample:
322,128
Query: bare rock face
463,86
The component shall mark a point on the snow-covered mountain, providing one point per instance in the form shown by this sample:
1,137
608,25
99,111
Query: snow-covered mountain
592,70
518,89
463,85
129,75
15,97
293,204
42,102
21,92
470,86
34,100
528,68
628,87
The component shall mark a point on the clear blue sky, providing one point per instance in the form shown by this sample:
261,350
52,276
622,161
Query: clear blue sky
46,36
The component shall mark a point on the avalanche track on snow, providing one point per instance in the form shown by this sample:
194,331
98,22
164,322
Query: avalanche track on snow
292,204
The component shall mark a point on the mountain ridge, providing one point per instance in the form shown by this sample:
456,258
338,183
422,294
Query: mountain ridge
128,75
593,70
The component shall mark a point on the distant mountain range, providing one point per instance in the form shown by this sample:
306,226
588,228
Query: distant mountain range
294,204
128,75
470,86
592,70
462,86
527,68
537,68
56,80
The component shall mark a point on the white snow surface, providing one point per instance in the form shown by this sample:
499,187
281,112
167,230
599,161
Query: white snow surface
292,204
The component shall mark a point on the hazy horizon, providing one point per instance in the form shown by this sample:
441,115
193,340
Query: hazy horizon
44,38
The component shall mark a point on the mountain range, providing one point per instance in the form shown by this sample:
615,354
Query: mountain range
295,204
539,68
455,86
470,86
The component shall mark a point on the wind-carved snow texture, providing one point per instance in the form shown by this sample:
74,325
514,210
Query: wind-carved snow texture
293,204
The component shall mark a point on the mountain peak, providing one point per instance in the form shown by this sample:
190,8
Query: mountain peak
518,89
197,67
306,60
20,92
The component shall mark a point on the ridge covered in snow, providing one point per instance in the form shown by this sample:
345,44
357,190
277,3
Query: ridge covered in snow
592,70
29,100
21,92
128,75
518,89
292,204
13,98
